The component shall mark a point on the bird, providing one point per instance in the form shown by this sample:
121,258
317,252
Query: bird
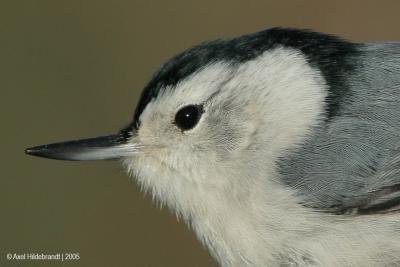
278,148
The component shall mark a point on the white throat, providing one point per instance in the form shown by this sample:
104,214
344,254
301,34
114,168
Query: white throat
239,231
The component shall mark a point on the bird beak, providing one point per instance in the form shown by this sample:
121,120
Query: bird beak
99,148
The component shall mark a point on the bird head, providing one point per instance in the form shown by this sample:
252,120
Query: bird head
218,116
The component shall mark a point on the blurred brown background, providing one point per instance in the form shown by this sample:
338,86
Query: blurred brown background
74,69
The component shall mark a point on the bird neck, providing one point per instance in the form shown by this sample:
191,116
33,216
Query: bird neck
244,226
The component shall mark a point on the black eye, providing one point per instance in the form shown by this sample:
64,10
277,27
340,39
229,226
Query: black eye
187,117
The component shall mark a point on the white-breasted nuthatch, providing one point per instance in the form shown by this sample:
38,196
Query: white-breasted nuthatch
279,148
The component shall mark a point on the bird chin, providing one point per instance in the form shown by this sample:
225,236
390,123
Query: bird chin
152,177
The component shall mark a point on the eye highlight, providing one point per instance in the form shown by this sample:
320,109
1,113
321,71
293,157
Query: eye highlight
188,117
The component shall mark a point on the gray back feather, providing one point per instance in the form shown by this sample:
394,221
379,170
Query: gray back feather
352,161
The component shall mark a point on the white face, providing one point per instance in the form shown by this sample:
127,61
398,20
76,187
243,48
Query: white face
253,113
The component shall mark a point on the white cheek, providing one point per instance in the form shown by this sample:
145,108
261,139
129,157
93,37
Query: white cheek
284,98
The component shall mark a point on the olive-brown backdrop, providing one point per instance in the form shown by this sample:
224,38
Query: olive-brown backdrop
74,69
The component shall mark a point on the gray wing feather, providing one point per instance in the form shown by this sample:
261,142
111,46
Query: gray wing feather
352,162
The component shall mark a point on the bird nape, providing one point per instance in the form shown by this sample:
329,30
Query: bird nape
280,148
